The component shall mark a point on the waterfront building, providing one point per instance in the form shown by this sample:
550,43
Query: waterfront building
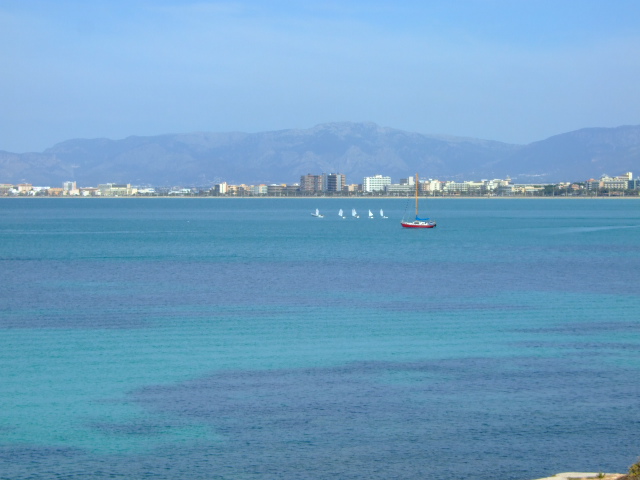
275,190
336,182
400,189
24,188
258,190
464,188
492,186
243,190
408,181
431,186
505,190
616,183
70,188
592,185
527,189
377,183
220,189
312,183
116,190
291,190
178,191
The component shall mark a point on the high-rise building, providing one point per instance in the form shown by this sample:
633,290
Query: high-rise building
376,183
311,183
336,182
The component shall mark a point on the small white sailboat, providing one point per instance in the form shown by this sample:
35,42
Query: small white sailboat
317,214
370,214
354,214
341,213
382,214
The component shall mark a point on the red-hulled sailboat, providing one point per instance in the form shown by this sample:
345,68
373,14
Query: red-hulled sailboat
418,222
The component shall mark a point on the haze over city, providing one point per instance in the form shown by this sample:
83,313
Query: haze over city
502,70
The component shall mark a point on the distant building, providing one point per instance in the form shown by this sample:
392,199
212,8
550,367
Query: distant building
180,192
275,190
504,190
24,188
400,189
70,188
311,183
220,189
408,181
616,183
292,189
377,183
116,190
592,185
259,189
431,186
336,182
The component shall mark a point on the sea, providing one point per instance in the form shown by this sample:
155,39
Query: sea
243,339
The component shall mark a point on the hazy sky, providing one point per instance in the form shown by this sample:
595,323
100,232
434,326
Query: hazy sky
510,70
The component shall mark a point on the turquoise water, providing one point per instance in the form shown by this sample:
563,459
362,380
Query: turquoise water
240,338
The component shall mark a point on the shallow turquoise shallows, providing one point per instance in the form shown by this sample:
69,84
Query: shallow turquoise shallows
247,339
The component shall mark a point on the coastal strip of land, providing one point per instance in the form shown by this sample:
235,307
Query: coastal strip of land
584,476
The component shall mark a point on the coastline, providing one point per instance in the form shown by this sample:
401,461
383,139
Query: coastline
438,198
584,476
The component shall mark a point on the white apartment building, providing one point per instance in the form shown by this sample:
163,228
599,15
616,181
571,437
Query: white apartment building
431,186
377,183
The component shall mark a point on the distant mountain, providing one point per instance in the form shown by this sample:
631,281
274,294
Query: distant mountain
579,155
355,149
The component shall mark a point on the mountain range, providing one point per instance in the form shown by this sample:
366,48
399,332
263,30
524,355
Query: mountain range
354,149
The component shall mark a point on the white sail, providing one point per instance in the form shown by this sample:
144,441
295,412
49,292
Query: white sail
353,213
370,214
340,213
382,214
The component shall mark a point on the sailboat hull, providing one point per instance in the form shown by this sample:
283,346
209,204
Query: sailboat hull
418,224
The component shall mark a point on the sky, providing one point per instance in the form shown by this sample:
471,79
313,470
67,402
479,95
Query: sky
515,71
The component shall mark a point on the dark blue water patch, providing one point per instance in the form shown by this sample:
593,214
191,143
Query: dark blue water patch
601,347
143,428
530,416
513,419
585,328
443,306
596,349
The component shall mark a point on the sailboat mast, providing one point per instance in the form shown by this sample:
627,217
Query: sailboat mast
416,195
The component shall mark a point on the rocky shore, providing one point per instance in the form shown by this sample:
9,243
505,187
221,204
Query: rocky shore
584,476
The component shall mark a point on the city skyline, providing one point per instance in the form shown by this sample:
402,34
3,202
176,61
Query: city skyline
328,184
